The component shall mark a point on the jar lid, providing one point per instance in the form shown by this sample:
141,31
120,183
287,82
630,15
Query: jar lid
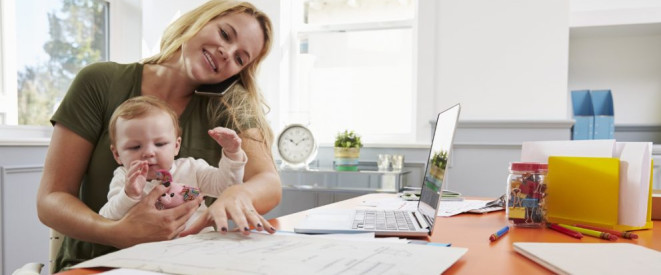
543,167
527,166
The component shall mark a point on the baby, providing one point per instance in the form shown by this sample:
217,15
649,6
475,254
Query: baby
145,138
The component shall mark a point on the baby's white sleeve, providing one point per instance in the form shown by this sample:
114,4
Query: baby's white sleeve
213,181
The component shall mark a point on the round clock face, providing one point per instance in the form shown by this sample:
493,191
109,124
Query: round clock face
296,145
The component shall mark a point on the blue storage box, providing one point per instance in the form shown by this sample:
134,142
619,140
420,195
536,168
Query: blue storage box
604,119
583,115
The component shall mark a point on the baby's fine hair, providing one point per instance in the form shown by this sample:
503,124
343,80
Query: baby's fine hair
138,107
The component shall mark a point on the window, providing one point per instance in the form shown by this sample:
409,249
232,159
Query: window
43,50
353,69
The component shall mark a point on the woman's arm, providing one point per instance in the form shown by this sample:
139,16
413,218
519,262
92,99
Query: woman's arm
261,179
59,208
243,203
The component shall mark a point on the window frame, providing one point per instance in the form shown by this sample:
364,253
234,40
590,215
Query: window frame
123,17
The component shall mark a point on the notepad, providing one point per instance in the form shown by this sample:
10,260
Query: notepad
592,258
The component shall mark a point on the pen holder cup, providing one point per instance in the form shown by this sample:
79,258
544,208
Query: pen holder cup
526,191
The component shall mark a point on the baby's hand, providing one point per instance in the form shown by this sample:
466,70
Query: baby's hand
229,140
136,179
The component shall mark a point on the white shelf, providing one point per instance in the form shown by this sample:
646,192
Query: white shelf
613,17
647,29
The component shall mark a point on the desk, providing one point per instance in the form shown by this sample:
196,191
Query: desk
472,231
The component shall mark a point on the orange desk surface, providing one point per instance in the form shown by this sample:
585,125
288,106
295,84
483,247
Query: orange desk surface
472,231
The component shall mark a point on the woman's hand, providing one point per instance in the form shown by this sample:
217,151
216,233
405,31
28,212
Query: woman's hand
259,193
234,203
145,223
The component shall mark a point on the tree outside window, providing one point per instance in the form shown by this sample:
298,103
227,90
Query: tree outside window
77,36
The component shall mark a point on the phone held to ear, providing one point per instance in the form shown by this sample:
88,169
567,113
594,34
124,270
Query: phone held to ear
218,89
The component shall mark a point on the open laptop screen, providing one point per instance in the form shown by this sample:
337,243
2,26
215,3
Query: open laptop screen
439,154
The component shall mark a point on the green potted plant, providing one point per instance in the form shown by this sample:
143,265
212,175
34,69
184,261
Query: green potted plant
347,151
438,160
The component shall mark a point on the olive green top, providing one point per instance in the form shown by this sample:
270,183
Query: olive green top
86,109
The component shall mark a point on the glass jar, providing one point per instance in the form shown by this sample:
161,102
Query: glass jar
526,191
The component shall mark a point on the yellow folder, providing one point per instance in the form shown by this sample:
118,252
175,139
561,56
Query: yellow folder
585,190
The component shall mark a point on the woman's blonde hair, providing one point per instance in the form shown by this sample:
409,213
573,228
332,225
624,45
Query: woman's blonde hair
243,107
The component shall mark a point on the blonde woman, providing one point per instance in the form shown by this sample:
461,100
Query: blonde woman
207,45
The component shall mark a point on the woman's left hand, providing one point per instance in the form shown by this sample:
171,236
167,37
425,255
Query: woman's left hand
260,191
234,203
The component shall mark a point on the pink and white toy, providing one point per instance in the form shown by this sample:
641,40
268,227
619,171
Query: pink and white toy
178,193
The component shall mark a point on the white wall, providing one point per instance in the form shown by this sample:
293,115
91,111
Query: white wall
425,68
125,30
158,14
503,59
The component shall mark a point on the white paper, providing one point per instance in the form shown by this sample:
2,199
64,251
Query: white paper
539,151
126,271
636,160
593,258
451,208
363,237
232,253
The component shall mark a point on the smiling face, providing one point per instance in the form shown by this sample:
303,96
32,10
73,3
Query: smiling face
223,47
151,137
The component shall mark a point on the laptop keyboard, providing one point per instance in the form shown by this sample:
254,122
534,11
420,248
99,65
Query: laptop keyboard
383,220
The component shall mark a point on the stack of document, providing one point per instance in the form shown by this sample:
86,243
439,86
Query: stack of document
233,253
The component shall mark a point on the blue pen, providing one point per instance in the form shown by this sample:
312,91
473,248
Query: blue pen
499,234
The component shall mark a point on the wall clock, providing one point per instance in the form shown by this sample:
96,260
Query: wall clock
297,146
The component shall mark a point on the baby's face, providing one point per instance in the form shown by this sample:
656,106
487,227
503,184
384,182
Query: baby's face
151,138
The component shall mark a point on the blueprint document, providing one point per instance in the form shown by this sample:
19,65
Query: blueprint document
214,253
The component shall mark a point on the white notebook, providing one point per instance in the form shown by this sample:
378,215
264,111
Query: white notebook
593,258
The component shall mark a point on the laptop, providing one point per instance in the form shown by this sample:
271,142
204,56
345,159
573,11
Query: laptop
401,223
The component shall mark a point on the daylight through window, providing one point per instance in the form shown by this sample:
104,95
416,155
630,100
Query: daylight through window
51,41
354,69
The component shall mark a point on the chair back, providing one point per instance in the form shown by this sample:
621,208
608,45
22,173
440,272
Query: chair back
56,239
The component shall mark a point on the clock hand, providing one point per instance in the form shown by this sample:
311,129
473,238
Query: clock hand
303,139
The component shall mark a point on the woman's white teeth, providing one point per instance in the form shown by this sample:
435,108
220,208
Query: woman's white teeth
210,60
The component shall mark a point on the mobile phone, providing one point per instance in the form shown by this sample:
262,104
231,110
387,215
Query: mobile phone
218,89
